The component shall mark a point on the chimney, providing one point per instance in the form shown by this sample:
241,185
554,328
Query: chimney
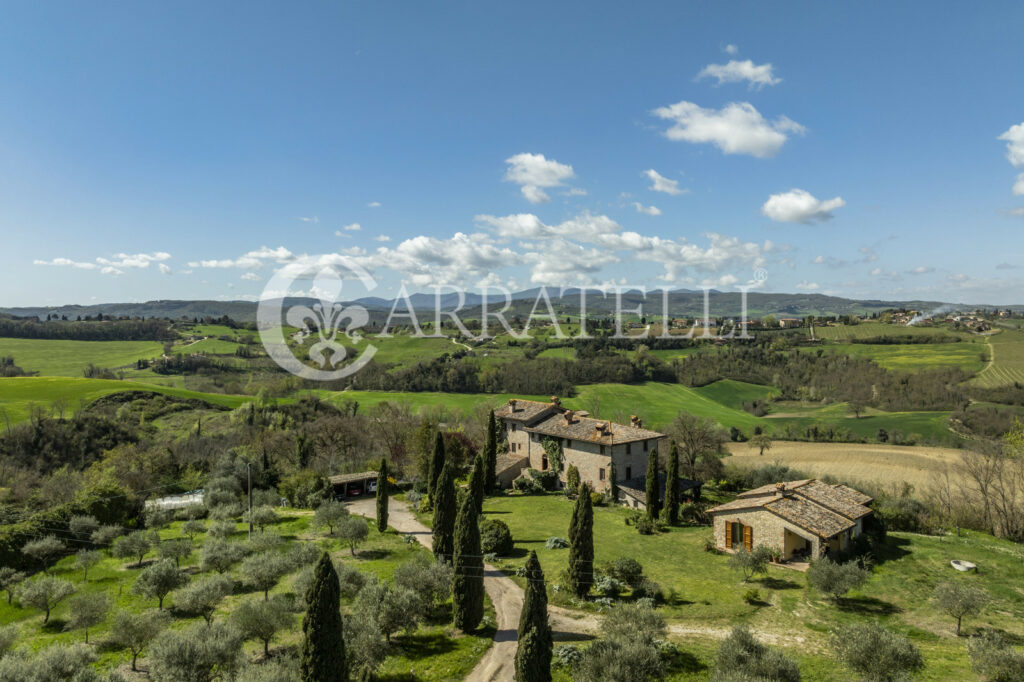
780,488
568,417
635,421
512,404
556,401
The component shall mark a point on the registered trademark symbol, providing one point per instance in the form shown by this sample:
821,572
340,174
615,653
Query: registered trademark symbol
760,275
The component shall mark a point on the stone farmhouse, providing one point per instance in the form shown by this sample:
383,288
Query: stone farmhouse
588,444
799,519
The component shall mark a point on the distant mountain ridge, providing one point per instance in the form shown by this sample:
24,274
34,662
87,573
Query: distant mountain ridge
681,302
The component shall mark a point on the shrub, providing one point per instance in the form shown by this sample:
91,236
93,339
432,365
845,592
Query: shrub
527,485
752,596
741,657
556,543
903,513
875,653
567,656
548,480
597,499
495,537
626,569
645,526
834,579
993,659
609,587
648,589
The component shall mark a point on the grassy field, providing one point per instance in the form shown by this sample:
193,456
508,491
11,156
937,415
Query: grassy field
427,654
69,358
879,464
865,330
918,356
1007,367
210,346
18,395
709,594
658,403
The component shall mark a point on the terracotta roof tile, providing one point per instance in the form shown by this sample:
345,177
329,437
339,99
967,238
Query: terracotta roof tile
808,515
834,498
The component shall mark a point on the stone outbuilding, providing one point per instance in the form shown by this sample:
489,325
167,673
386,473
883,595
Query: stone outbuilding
799,519
633,493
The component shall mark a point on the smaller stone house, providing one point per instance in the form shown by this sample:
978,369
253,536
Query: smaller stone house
799,519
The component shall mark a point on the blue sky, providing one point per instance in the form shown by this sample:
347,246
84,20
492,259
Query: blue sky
187,150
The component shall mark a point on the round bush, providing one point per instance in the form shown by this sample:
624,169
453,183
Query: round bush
495,537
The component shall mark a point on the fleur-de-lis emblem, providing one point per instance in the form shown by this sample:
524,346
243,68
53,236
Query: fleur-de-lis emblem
328,317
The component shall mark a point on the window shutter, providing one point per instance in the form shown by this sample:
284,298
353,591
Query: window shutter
748,537
728,535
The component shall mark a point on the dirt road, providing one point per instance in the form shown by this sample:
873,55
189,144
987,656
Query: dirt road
507,597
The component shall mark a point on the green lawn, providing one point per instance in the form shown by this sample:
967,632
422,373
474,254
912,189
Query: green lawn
709,593
428,654
69,358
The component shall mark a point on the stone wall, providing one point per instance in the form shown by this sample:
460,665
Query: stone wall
767,529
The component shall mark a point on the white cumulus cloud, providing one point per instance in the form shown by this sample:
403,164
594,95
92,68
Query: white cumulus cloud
1014,144
534,172
756,75
737,128
808,286
731,49
800,206
659,183
646,210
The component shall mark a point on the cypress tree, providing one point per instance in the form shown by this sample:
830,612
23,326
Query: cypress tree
581,549
533,655
653,499
382,495
468,565
491,455
672,486
436,464
613,483
444,516
476,483
323,646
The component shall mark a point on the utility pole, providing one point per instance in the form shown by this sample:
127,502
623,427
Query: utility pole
248,469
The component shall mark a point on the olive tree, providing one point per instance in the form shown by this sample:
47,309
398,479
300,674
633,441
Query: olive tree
203,596
44,592
330,513
196,654
135,544
86,559
44,550
352,531
876,654
958,600
159,580
834,579
9,580
262,571
262,620
88,610
751,562
134,631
